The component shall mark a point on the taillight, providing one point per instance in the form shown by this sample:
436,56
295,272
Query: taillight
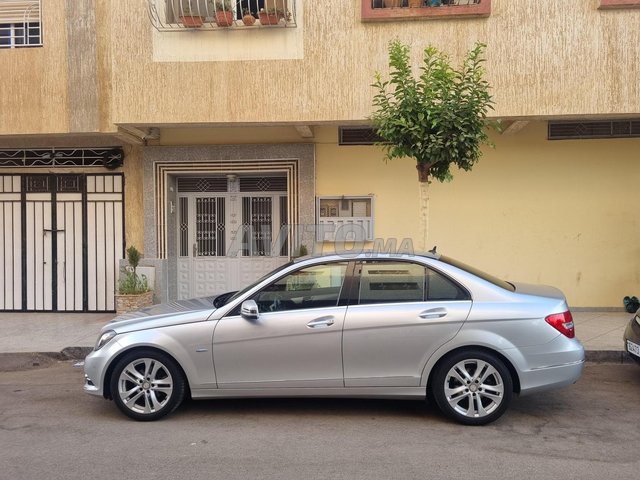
563,322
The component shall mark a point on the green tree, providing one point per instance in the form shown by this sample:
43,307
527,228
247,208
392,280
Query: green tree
438,118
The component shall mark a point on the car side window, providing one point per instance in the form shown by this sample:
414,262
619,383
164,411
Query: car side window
312,287
391,282
442,288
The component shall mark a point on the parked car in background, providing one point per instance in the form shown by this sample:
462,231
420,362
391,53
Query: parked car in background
632,337
383,325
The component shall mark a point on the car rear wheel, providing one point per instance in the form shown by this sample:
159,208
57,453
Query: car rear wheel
472,387
147,385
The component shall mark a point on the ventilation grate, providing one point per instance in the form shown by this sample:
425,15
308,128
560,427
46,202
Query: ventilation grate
358,136
263,184
202,184
594,129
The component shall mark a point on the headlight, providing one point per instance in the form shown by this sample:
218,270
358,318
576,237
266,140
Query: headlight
104,339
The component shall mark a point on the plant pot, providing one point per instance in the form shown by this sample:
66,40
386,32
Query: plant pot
130,303
224,18
249,20
392,3
270,18
192,21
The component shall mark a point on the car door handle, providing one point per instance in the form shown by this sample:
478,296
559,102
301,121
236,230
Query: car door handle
434,313
321,322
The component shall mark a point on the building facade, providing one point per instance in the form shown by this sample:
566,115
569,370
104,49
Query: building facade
216,149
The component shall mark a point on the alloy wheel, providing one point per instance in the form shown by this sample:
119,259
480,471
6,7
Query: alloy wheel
145,386
474,388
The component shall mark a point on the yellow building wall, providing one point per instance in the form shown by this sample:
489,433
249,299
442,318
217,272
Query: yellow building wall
563,213
134,198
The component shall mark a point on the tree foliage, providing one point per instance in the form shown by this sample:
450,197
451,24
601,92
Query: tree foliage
438,118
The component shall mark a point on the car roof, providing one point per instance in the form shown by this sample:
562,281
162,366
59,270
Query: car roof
367,255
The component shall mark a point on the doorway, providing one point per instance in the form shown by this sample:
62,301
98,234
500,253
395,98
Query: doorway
231,230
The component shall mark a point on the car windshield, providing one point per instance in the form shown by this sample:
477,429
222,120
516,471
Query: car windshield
478,273
239,293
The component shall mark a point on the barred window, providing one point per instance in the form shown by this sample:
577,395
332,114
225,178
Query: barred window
20,24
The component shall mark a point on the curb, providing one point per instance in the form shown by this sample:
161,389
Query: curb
11,362
607,356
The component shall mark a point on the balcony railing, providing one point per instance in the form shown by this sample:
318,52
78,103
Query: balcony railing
416,9
420,3
195,15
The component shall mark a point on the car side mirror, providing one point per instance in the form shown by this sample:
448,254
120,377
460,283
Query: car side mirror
249,310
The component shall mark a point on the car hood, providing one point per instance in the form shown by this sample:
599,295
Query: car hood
538,290
163,315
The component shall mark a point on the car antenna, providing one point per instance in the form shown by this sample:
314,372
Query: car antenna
433,250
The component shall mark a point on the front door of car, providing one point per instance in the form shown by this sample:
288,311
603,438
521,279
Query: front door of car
403,312
296,340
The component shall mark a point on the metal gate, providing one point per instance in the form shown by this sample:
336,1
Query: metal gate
61,241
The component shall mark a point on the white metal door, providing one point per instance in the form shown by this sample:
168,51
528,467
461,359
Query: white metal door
227,240
104,239
10,243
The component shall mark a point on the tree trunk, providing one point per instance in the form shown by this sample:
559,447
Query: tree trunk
423,171
423,178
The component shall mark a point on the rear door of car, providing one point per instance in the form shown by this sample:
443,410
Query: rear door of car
400,312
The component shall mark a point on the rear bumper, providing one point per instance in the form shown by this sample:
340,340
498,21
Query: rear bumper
550,378
557,365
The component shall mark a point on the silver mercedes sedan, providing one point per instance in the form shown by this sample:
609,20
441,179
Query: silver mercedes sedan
367,325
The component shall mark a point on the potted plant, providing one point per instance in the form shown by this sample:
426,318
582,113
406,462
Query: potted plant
189,18
224,12
271,15
247,17
133,289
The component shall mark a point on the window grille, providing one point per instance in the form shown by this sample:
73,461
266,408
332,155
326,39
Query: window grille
345,219
109,157
20,24
198,15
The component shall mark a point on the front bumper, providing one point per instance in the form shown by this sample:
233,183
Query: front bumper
96,365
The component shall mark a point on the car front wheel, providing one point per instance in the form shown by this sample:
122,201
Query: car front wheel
147,385
472,387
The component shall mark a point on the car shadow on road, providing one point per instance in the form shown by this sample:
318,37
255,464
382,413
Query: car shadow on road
312,407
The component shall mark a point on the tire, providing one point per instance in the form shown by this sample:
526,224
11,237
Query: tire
147,385
472,387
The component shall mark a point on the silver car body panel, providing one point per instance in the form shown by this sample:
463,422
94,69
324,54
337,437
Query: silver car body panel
388,345
299,348
349,351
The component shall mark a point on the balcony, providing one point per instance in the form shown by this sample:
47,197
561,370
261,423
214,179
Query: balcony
390,10
228,15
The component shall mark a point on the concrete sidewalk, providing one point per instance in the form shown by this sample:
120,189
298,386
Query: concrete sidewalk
72,335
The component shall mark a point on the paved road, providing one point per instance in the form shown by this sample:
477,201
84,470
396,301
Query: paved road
50,429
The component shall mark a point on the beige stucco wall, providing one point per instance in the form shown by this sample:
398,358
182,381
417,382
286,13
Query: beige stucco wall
543,58
563,213
33,89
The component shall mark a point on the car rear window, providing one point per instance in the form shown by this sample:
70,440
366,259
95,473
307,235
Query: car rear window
478,273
